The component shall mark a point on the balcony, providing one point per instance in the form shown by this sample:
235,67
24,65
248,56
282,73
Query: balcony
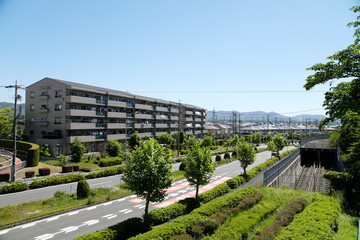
43,110
189,113
143,125
205,131
116,104
161,125
43,123
143,135
197,119
115,136
116,126
174,125
162,117
160,133
197,132
188,132
80,126
77,99
162,109
174,110
189,119
143,116
80,113
82,138
116,115
44,97
143,106
174,118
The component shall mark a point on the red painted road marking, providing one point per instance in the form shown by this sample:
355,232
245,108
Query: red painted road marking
169,190
192,193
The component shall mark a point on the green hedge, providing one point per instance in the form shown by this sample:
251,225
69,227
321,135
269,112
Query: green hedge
319,220
13,187
240,225
49,181
106,172
217,191
123,230
110,161
161,215
32,149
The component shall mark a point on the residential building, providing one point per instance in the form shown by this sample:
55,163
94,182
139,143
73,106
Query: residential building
58,111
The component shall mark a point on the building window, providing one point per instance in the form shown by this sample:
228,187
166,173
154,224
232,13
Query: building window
58,107
58,94
59,150
31,132
32,107
43,107
32,94
57,120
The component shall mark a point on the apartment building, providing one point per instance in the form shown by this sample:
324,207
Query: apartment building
58,111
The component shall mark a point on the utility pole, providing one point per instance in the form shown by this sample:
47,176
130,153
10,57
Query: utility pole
16,87
178,140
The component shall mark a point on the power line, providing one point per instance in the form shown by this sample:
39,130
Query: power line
232,91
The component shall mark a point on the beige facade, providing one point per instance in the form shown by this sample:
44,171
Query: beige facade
57,111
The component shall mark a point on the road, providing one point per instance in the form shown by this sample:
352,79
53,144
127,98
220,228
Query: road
100,216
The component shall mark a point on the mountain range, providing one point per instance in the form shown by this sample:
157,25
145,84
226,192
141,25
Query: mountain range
261,116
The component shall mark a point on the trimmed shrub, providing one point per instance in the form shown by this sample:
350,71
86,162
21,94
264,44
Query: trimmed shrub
217,191
66,169
29,174
83,189
319,220
44,171
232,183
161,215
4,177
106,172
32,149
284,218
227,155
218,158
233,154
110,161
49,181
190,203
13,187
76,168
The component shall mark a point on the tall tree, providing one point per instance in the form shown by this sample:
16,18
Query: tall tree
277,143
6,123
148,172
207,141
165,139
77,150
199,167
134,139
114,148
246,155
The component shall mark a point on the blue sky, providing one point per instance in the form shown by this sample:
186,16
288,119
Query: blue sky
229,55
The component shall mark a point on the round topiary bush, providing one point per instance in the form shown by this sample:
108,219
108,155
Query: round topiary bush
44,171
227,155
29,174
218,158
83,189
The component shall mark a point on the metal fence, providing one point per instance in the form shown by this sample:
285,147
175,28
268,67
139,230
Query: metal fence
7,152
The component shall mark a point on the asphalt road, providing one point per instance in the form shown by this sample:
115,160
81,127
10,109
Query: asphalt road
100,216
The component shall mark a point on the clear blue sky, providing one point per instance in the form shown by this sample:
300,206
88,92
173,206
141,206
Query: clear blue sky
206,53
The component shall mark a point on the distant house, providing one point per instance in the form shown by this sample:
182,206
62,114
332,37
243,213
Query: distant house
212,129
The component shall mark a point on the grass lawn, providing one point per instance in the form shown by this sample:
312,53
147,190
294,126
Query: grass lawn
53,170
30,210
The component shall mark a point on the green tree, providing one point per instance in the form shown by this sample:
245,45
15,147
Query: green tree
6,122
192,141
182,137
77,150
82,189
268,137
113,148
250,138
258,137
235,140
246,155
165,139
277,143
207,141
199,167
148,172
45,151
134,139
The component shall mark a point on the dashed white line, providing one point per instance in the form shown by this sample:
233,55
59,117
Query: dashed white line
139,205
28,225
70,229
128,212
52,219
4,231
45,236
91,208
113,216
107,203
124,210
73,213
109,215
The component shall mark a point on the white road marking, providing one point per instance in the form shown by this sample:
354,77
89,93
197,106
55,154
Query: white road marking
4,231
107,203
139,205
121,199
99,183
109,215
28,225
45,236
91,208
52,219
91,222
128,212
124,210
114,216
73,213
70,229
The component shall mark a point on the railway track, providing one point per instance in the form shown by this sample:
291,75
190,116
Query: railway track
310,179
